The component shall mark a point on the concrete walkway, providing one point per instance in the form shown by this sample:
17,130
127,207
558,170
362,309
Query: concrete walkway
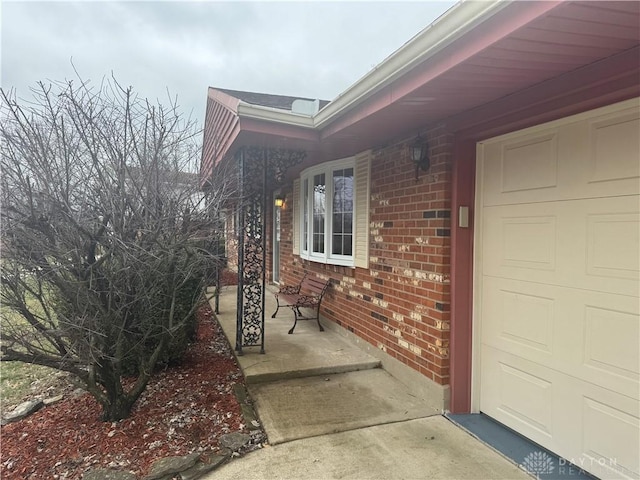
331,412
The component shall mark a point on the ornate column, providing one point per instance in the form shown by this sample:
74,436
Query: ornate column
260,171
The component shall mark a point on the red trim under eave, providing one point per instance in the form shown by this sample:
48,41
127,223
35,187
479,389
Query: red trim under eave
461,334
279,130
499,26
607,81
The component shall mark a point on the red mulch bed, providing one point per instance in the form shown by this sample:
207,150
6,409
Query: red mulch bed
184,409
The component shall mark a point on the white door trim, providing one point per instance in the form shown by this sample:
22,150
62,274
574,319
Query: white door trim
477,283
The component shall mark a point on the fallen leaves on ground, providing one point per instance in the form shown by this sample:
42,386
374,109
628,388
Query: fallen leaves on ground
184,409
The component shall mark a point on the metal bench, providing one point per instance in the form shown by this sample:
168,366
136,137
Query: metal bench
307,294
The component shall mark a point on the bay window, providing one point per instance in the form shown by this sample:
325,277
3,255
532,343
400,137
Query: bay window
331,212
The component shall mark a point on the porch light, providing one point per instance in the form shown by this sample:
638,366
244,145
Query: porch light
420,155
279,201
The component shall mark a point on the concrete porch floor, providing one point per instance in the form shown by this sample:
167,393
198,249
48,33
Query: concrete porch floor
307,352
330,411
312,383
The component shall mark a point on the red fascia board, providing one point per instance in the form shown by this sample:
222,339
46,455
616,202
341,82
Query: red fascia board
613,79
278,130
509,20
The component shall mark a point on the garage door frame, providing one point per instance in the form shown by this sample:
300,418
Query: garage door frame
478,267
478,227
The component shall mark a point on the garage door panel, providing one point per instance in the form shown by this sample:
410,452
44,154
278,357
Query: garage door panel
519,317
604,421
558,286
527,319
529,242
611,342
597,428
521,242
614,146
593,427
589,335
590,157
517,170
521,394
588,244
529,164
612,245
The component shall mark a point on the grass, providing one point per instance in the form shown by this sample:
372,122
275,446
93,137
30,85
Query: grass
20,381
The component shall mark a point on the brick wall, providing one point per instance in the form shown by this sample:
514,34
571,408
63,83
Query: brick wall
290,266
401,303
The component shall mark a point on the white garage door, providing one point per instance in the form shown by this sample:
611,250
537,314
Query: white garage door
557,286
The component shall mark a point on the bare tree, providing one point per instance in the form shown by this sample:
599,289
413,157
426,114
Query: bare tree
105,239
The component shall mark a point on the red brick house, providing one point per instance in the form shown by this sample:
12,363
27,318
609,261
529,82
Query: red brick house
502,269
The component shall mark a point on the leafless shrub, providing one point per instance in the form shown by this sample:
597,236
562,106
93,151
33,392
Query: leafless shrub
106,240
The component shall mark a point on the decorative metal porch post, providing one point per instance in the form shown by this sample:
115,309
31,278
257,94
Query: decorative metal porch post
260,171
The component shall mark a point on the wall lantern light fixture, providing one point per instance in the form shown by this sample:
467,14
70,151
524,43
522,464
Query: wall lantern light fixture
279,201
420,155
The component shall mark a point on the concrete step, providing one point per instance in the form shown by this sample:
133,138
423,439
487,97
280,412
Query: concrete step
319,405
255,374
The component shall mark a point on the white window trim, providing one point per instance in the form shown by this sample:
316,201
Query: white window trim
327,168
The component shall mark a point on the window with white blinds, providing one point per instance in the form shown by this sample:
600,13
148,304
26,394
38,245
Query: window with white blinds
331,212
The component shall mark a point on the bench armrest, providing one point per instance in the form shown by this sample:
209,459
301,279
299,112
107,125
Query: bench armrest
292,289
289,290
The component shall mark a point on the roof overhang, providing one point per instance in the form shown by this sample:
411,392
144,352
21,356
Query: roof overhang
477,55
453,25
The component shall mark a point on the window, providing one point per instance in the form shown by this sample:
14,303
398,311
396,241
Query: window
331,212
327,200
318,211
342,221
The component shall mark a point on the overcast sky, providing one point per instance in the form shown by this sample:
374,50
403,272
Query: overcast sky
310,49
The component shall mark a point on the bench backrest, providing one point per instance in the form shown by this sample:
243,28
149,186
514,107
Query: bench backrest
312,285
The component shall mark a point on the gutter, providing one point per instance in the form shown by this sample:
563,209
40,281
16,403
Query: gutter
269,114
452,25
